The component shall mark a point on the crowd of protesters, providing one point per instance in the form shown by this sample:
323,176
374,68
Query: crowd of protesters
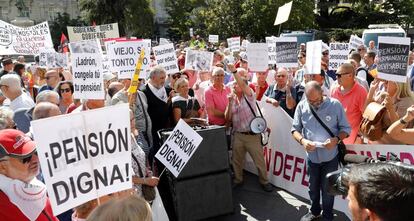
221,96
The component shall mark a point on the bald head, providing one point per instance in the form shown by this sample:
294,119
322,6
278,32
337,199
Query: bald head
114,87
313,86
45,110
282,71
347,67
48,96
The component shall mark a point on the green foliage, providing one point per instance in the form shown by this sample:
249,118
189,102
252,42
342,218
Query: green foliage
134,17
59,26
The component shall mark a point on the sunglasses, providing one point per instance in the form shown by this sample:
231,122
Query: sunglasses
300,57
340,75
65,90
28,158
325,53
49,77
176,76
280,76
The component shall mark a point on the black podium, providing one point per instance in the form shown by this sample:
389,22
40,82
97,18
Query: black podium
203,188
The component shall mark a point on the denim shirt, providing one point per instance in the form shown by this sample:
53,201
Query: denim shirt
332,114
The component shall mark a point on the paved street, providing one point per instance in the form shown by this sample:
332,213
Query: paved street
252,203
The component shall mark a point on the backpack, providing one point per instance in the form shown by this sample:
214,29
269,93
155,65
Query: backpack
371,125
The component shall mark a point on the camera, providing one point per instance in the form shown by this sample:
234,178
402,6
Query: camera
338,181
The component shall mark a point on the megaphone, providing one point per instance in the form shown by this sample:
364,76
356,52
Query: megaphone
258,125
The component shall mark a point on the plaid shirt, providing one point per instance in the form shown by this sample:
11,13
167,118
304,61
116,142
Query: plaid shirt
242,114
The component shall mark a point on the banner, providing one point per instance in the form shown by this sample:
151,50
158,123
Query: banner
286,159
87,76
286,52
84,155
123,57
393,58
257,57
166,57
355,41
283,13
199,60
234,44
271,49
338,54
213,38
93,32
164,41
24,41
313,56
179,147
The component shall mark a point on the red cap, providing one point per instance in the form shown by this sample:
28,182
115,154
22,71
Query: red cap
14,143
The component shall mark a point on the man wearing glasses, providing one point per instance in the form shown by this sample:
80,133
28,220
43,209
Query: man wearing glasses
352,97
321,149
11,88
22,196
52,80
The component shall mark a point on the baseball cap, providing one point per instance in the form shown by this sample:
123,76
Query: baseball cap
108,76
14,143
6,61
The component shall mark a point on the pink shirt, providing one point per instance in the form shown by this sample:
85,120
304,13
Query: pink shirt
242,114
216,99
353,102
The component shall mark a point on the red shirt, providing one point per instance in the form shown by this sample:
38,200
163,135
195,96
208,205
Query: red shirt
261,91
10,212
353,102
216,99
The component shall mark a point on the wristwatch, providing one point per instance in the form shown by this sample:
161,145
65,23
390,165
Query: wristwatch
403,121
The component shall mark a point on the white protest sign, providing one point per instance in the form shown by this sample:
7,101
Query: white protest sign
314,56
198,60
213,38
245,43
286,52
191,32
61,60
26,41
257,57
165,56
338,54
271,51
355,41
87,46
123,57
93,32
283,13
164,41
45,59
87,76
286,162
179,147
234,43
393,58
84,155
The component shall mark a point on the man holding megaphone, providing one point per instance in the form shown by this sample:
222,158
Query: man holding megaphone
240,112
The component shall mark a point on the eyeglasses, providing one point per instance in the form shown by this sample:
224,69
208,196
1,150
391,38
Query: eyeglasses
27,159
219,75
176,76
325,53
339,75
65,90
280,76
300,57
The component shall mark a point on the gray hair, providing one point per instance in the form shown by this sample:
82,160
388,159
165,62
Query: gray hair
12,81
179,82
45,96
43,110
6,116
217,70
156,71
313,85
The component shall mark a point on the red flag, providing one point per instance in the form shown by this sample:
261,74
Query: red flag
63,47
93,23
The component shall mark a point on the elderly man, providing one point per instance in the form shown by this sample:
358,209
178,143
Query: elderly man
352,97
216,97
52,80
7,66
22,196
6,118
23,116
11,88
320,147
240,114
282,93
159,104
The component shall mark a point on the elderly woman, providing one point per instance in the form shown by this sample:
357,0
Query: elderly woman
184,106
65,91
396,97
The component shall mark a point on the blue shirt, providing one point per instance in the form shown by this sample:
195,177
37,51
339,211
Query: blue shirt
280,96
332,114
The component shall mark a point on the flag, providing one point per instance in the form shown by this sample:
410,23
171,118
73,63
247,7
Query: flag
63,47
93,23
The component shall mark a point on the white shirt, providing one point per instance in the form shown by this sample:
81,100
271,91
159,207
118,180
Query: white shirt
22,101
160,93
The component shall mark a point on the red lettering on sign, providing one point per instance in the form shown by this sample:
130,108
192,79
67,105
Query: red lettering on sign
287,166
280,155
296,168
408,157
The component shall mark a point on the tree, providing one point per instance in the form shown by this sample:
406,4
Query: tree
59,26
134,17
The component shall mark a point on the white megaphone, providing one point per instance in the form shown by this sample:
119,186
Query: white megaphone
258,125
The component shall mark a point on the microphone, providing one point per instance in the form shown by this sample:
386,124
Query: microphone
354,158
